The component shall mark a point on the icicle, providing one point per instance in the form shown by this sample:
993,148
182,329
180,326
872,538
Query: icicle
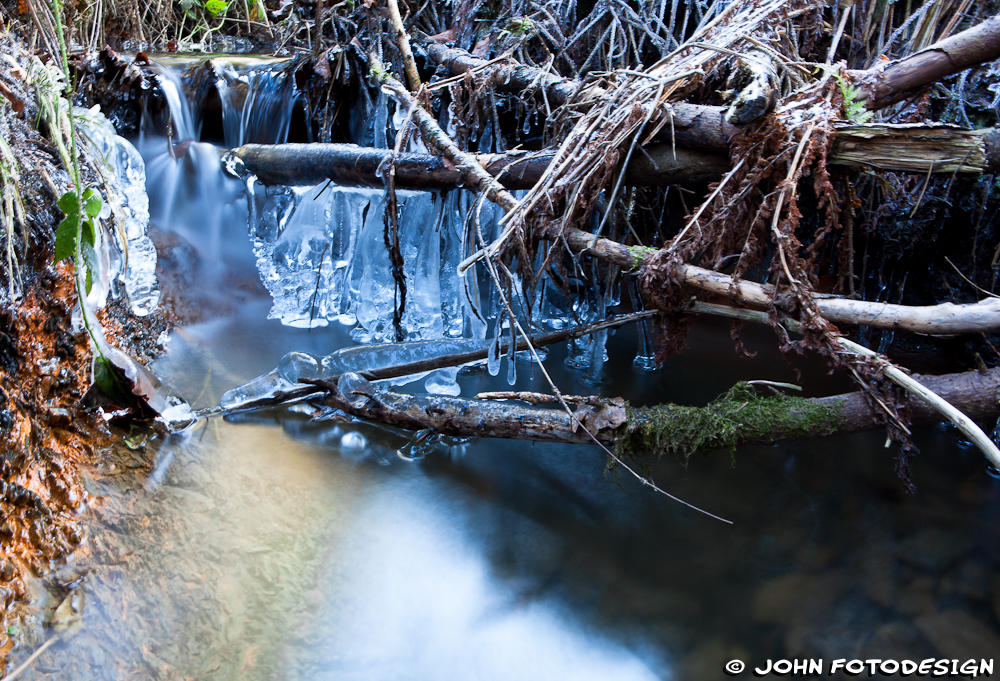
493,359
511,359
263,387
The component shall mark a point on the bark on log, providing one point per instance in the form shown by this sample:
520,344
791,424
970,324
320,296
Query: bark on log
976,394
902,79
946,319
353,166
914,148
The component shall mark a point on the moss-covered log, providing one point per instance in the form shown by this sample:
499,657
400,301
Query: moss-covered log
741,416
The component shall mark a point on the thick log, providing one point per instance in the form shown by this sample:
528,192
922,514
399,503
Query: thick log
904,78
914,148
353,166
762,420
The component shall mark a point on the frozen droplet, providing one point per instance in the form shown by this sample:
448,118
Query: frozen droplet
353,441
419,446
355,388
295,366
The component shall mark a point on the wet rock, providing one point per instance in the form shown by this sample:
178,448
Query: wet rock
996,597
958,635
933,549
59,417
878,574
836,631
968,580
647,601
786,598
916,598
896,641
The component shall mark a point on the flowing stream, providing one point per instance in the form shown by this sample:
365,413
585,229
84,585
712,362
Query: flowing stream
285,545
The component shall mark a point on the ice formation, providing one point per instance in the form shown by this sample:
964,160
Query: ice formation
321,254
295,366
124,173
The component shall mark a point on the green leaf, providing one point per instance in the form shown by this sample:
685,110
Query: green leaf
69,203
108,379
88,232
89,262
216,7
92,203
66,236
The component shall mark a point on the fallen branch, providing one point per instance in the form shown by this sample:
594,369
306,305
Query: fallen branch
946,319
915,148
763,420
444,361
897,81
893,373
352,166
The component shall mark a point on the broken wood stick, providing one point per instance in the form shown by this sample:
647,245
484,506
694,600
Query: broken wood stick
409,66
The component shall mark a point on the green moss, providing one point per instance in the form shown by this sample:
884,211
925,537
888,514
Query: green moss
737,417
640,253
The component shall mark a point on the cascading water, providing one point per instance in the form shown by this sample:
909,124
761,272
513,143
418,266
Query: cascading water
320,251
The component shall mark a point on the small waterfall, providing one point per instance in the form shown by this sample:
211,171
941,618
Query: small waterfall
320,251
182,119
256,104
